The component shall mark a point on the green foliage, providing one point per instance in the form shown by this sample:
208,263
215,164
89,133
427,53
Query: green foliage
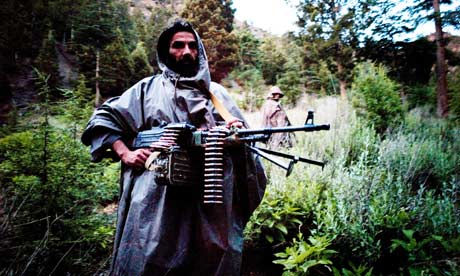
421,95
272,60
360,270
370,189
410,63
274,220
454,92
292,80
116,67
83,94
155,26
59,14
376,97
51,193
421,152
47,60
331,31
21,37
321,80
302,256
141,66
77,111
95,24
212,20
422,11
362,145
248,50
55,181
252,83
103,28
423,253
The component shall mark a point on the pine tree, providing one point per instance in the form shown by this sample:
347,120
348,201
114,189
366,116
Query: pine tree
60,13
94,28
155,26
141,66
248,48
140,25
331,30
213,19
47,62
116,67
292,80
430,10
272,60
83,94
23,26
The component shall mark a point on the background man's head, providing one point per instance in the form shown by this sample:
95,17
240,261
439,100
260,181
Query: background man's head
178,48
276,93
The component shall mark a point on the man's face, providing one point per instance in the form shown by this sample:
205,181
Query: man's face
276,96
183,51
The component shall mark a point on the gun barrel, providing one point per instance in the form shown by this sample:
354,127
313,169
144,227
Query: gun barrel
306,128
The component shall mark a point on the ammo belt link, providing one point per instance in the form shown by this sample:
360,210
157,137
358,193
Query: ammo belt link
214,167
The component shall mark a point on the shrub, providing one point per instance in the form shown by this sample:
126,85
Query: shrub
421,95
454,94
51,192
376,96
302,257
370,189
51,195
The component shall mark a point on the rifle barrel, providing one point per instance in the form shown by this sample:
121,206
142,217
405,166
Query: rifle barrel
270,130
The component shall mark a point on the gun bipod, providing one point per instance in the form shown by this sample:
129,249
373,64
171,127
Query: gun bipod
267,154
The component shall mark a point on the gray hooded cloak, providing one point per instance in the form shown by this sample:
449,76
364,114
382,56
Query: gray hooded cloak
164,230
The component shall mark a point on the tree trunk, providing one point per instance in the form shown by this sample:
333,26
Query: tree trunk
97,101
441,70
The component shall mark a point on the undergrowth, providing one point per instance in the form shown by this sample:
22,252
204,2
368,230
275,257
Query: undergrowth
374,190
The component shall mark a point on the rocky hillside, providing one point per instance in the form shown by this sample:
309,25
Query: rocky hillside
146,6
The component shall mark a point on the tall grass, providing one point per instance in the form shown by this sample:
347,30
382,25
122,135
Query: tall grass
371,190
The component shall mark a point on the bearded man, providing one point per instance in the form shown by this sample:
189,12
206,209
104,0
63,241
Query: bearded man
162,229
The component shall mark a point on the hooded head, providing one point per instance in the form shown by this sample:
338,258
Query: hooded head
275,90
189,66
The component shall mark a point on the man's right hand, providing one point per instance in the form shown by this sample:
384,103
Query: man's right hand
134,158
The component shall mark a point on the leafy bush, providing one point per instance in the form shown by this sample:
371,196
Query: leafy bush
51,196
250,78
370,189
454,94
376,96
421,95
302,256
424,254
51,192
280,215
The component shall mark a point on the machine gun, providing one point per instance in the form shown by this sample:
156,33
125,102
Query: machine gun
172,139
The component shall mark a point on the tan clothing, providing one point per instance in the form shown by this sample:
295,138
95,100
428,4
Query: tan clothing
275,116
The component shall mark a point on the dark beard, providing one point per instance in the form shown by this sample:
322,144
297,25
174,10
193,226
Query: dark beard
186,67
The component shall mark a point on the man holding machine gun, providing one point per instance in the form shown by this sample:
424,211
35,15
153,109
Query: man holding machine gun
164,229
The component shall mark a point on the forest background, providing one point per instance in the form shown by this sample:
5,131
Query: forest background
387,203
